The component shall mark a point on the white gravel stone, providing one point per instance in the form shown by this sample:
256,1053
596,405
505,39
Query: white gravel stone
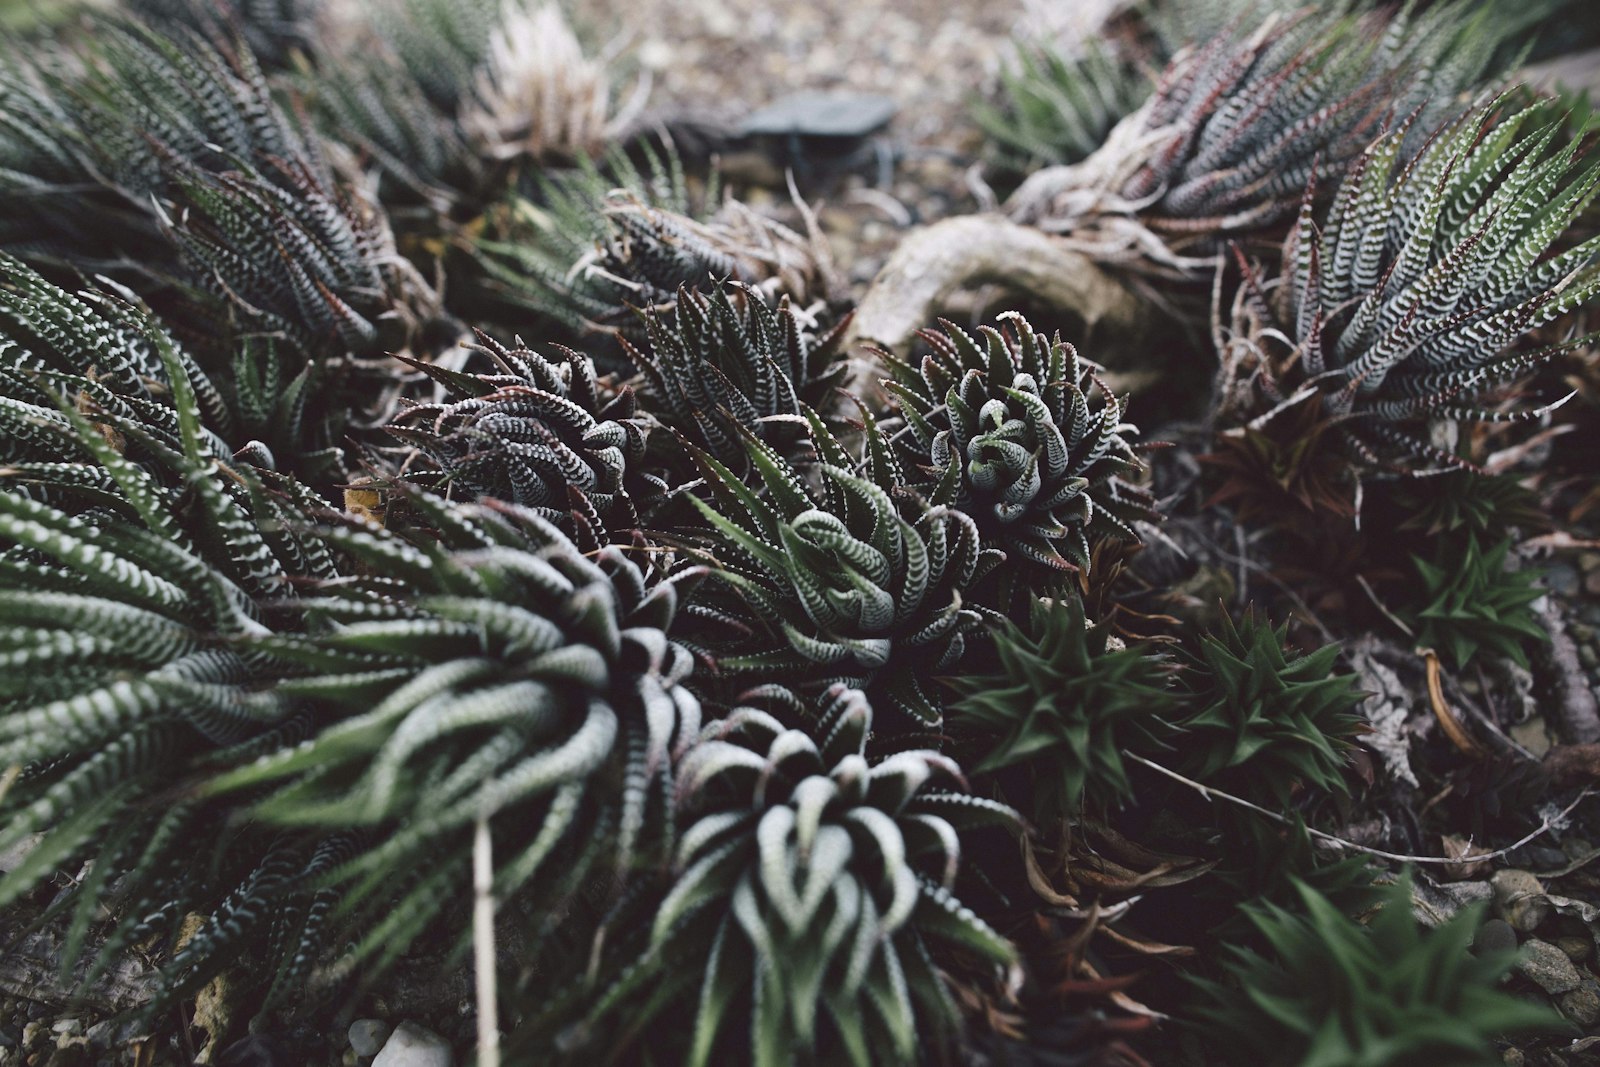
368,1035
414,1046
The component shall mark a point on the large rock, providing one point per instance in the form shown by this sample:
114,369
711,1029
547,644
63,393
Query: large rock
1548,968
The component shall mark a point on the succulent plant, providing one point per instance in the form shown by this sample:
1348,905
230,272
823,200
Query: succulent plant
541,433
538,97
1470,603
863,583
724,360
602,240
1240,124
1060,712
1328,991
1055,107
1004,429
1262,719
1406,305
813,890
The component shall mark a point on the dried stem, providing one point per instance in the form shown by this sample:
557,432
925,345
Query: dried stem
483,946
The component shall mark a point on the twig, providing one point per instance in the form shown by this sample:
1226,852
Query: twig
483,946
1361,580
8,779
1208,791
1577,719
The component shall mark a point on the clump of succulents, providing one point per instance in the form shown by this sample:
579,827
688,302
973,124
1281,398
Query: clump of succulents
813,891
1060,712
1404,309
1327,990
856,580
1263,720
1241,122
1470,603
1006,429
541,433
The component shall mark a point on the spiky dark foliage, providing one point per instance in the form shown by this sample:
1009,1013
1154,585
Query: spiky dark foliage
813,890
1466,503
1328,991
1060,712
1005,429
1470,603
273,29
1264,720
862,582
1406,305
541,433
724,360
1241,123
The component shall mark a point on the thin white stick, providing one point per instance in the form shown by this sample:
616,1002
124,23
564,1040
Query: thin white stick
1208,791
483,947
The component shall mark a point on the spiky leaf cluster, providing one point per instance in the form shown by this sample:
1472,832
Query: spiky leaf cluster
1241,123
812,888
1406,305
1329,992
1060,712
1470,603
541,433
862,582
1263,719
724,360
1005,429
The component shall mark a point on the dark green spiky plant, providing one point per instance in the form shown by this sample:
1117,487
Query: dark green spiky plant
1405,308
1005,429
725,360
1238,126
1053,723
542,433
862,582
1264,720
813,893
1470,604
1329,992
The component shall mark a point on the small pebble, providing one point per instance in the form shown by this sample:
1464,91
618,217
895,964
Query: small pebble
1496,935
1519,899
368,1035
1582,1005
413,1046
1576,948
1548,967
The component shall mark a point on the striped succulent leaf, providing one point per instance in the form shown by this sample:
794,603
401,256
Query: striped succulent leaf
1406,307
540,433
1004,429
813,890
858,581
726,360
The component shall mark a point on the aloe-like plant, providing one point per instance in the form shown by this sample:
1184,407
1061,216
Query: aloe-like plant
813,890
1469,603
601,240
1407,304
862,582
1329,992
1240,123
1060,712
1263,720
726,359
1006,429
539,432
